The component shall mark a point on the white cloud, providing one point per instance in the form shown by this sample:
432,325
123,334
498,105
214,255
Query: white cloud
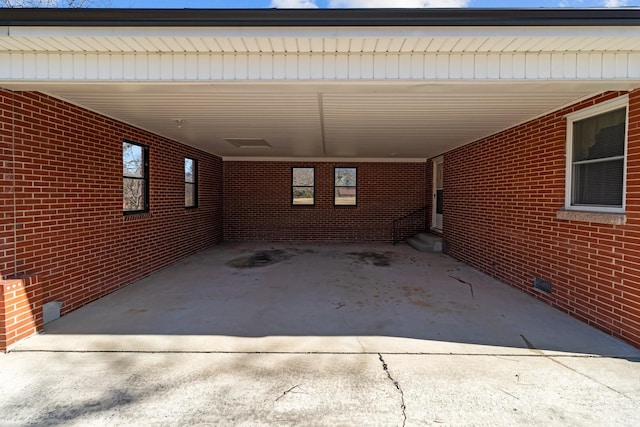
446,3
294,4
615,3
400,3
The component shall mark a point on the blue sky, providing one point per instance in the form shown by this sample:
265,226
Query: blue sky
366,3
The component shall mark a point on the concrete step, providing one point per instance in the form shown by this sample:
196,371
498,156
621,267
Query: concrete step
425,242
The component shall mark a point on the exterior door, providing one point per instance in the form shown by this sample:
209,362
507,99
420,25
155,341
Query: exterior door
438,189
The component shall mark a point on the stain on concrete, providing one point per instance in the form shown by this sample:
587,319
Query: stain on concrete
379,259
417,296
410,291
305,251
260,259
137,310
421,303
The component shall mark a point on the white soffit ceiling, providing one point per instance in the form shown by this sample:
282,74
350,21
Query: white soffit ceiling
321,40
325,120
389,119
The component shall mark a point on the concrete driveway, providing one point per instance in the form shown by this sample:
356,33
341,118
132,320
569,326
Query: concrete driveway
320,334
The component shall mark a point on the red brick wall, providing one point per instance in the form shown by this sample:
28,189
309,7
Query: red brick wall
20,310
258,202
501,198
62,205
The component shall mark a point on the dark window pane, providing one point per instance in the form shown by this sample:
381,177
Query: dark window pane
345,196
598,183
439,201
303,177
189,194
599,137
132,160
345,177
133,194
303,196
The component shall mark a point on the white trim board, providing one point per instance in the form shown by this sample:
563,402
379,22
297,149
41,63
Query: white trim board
323,160
285,67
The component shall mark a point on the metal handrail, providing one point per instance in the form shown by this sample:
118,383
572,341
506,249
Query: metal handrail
409,224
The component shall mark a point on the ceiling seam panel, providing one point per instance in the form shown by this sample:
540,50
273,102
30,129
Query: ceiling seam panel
323,136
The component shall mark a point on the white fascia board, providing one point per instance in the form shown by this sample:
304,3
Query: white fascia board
321,32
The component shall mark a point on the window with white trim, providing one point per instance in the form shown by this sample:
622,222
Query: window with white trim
596,154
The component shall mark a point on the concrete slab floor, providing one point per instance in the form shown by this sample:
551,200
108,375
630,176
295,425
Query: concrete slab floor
319,334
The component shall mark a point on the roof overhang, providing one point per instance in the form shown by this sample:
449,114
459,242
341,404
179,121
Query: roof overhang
320,84
458,17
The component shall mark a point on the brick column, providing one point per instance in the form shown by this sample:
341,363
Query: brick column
20,310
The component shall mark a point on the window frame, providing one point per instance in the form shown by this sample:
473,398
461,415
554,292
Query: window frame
604,107
355,204
194,183
145,177
293,168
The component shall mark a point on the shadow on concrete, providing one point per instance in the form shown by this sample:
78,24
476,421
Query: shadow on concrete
308,297
191,389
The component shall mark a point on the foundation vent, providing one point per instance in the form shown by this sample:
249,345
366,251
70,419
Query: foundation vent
542,285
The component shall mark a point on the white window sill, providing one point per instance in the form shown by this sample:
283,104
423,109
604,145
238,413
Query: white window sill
597,217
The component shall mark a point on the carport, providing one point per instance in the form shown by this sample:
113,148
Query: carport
237,306
385,92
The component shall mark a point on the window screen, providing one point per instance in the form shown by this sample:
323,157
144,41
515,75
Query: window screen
598,160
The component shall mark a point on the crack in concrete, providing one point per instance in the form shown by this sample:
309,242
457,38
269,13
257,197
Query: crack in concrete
385,368
288,391
506,392
465,283
531,347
